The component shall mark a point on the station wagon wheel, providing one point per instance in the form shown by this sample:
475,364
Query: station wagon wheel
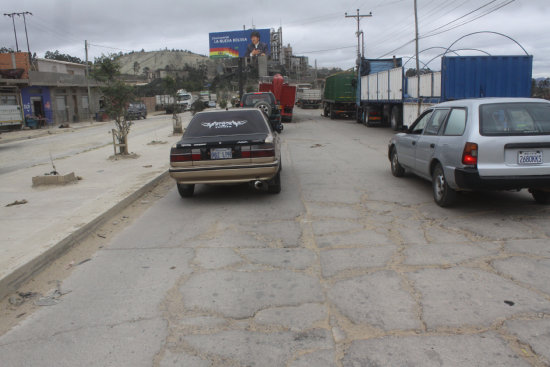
396,169
186,190
541,197
443,195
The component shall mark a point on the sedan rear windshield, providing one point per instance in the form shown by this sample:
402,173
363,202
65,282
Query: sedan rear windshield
236,122
526,118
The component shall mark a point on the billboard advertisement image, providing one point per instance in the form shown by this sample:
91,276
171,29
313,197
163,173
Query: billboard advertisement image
248,43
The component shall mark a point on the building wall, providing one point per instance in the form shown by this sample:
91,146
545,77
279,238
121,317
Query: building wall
32,95
54,66
21,62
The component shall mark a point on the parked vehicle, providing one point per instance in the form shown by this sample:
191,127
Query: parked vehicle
163,101
265,101
308,97
284,93
212,104
339,95
478,144
227,147
387,97
204,96
10,117
136,111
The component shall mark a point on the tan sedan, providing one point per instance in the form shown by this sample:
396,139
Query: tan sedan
233,146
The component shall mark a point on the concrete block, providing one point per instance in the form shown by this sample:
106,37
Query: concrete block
54,179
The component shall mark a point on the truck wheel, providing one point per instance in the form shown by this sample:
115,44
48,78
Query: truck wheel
541,197
396,119
443,195
359,115
186,190
332,113
325,110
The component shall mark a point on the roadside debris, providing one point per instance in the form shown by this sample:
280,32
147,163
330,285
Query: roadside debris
155,142
18,202
53,297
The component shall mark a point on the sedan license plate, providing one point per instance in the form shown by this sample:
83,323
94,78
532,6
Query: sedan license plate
221,153
529,157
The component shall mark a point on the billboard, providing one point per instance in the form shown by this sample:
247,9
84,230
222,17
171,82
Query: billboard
248,43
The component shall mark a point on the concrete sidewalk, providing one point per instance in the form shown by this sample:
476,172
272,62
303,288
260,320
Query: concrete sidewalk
54,217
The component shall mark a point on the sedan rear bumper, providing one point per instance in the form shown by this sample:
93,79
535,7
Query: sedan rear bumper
469,179
228,174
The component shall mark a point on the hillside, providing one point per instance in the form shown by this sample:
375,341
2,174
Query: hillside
159,60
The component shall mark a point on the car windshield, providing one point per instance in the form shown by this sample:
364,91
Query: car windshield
527,118
251,99
226,123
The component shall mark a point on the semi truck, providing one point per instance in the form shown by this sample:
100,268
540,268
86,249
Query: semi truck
284,93
339,95
388,97
307,97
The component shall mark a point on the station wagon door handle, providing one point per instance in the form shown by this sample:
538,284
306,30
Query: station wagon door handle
432,145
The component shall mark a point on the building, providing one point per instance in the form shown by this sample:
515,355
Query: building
55,92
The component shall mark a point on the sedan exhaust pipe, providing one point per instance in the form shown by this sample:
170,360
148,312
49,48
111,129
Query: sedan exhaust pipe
258,185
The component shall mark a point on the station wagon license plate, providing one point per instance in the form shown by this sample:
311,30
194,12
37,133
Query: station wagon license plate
221,153
529,157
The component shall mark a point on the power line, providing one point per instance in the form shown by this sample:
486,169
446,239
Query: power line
471,20
463,16
329,49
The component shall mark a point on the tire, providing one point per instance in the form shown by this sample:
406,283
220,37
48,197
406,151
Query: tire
541,197
396,119
396,169
444,196
325,110
332,114
186,190
264,107
274,185
359,115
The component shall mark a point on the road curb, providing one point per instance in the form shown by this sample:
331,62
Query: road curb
11,282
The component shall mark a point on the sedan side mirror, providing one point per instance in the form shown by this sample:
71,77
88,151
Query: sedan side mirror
404,128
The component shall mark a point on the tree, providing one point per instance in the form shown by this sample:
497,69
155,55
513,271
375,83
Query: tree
136,67
5,50
116,95
56,55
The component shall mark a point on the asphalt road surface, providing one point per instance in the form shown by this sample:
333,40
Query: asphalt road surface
347,266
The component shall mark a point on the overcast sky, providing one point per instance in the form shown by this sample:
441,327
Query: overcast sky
314,28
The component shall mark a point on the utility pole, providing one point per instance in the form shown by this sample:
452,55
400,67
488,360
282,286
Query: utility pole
26,35
417,61
90,104
12,16
358,17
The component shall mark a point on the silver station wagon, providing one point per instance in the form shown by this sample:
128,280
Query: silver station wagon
478,144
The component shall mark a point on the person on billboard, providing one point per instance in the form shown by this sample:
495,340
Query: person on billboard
256,48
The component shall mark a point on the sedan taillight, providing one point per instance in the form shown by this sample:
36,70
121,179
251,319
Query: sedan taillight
469,155
258,151
185,155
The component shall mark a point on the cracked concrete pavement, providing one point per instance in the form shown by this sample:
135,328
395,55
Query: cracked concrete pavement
348,266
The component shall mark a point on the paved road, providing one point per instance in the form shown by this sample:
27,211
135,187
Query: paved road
348,266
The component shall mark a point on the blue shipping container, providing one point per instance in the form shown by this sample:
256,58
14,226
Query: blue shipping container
485,76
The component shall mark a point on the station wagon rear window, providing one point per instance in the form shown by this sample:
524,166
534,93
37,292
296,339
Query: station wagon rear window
226,123
514,119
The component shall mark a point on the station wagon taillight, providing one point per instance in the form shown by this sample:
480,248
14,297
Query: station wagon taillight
469,155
